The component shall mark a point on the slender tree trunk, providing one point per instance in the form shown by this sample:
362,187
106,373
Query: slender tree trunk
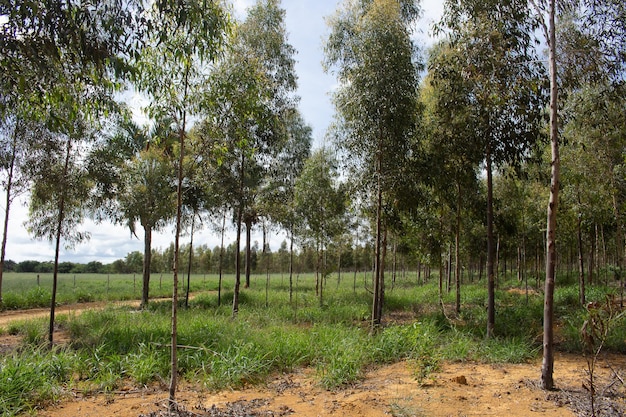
519,264
605,259
449,269
581,265
457,251
356,262
57,249
547,366
291,264
593,253
7,203
267,267
491,305
419,272
376,318
394,264
179,207
240,210
318,262
221,263
248,222
147,258
381,289
193,223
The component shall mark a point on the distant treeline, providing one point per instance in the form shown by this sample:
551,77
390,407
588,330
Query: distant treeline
207,260
93,267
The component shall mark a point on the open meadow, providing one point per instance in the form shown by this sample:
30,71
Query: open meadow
112,349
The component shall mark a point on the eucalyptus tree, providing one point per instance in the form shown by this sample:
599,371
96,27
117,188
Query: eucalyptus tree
370,49
601,26
251,93
172,71
132,172
278,196
493,54
61,61
15,134
264,36
320,207
58,196
447,123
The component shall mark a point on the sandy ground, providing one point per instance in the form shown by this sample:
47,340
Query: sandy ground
458,390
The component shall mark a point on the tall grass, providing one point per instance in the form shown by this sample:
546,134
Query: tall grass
115,346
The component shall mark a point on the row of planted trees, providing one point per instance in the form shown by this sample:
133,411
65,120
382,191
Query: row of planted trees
440,155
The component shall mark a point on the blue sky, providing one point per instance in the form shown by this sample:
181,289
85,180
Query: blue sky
306,29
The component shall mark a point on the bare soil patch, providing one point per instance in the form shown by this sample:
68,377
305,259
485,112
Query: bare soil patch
459,389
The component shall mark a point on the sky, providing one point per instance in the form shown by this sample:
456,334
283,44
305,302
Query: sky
306,27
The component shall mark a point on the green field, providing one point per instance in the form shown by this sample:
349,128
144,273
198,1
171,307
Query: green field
121,345
30,290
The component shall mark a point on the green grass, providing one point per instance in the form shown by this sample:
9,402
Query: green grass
24,290
121,345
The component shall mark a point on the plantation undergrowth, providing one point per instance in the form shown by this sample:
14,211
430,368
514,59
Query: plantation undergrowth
106,349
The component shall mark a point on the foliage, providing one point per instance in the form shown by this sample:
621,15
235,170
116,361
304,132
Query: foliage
319,200
371,49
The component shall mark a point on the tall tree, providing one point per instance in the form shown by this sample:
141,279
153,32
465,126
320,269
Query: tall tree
601,26
371,50
172,74
251,93
320,207
286,167
58,197
15,133
549,29
493,53
133,174
447,121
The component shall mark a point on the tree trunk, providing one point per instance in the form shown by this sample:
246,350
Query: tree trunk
593,252
581,264
381,289
491,306
221,263
237,264
547,366
376,318
267,267
449,269
7,205
394,264
179,216
457,251
238,240
147,258
57,249
291,264
248,222
193,223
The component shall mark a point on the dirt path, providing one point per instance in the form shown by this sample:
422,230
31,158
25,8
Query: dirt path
10,316
460,389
